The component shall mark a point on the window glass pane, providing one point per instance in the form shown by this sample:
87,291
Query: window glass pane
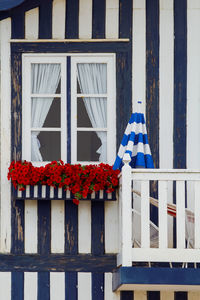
89,146
45,112
92,112
45,146
45,78
92,78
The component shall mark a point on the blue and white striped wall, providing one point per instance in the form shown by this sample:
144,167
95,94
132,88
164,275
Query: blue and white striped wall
165,61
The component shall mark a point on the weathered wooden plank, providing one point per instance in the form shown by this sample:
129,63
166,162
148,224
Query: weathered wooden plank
180,205
72,19
162,190
57,286
180,82
57,262
57,226
43,286
31,24
18,23
58,19
98,19
84,228
84,286
30,285
112,19
17,286
5,285
98,234
166,295
108,293
85,19
44,227
98,286
140,295
145,215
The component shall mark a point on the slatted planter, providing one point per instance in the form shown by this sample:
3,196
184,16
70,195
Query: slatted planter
45,192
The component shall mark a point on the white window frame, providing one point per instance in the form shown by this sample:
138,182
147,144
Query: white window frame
27,60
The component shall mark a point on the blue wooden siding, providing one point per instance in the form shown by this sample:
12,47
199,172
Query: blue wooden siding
124,103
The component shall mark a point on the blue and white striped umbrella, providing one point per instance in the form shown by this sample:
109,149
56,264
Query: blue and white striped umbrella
135,143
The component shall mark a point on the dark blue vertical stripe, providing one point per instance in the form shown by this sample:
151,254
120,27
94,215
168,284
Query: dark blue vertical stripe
98,246
71,246
43,286
180,296
69,109
72,19
180,82
71,283
44,227
17,208
125,18
98,286
18,24
153,295
98,19
17,286
152,88
126,295
45,19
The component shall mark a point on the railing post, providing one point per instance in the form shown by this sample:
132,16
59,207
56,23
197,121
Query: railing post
126,213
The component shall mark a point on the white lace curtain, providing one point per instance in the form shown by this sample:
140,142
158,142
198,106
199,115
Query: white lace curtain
92,78
44,80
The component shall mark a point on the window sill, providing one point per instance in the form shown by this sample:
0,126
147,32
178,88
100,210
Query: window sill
45,192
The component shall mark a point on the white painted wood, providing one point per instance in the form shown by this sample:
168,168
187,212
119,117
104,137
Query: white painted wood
108,293
166,67
111,227
197,214
51,191
166,255
139,52
5,214
31,226
59,193
57,285
169,175
85,19
140,295
43,191
193,295
84,227
166,295
112,19
126,215
158,287
32,23
193,4
58,19
180,215
84,286
162,196
145,215
30,285
57,226
5,285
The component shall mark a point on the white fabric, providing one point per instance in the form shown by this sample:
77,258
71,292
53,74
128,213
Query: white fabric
92,78
44,80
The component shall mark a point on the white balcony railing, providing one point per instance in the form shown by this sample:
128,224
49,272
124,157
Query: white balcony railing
186,183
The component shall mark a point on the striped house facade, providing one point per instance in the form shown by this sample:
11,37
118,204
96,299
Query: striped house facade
53,249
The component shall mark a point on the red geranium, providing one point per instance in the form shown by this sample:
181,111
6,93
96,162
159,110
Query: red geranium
80,180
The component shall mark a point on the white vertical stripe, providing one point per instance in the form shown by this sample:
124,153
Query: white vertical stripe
30,285
108,293
166,295
58,21
145,228
140,295
5,285
85,19
139,52
84,286
112,19
180,219
193,295
197,214
57,286
162,189
84,227
57,226
166,84
111,227
5,217
32,23
31,227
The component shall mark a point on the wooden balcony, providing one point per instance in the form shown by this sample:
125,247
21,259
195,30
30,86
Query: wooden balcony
176,239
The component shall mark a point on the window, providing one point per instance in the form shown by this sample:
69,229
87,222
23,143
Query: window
69,108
